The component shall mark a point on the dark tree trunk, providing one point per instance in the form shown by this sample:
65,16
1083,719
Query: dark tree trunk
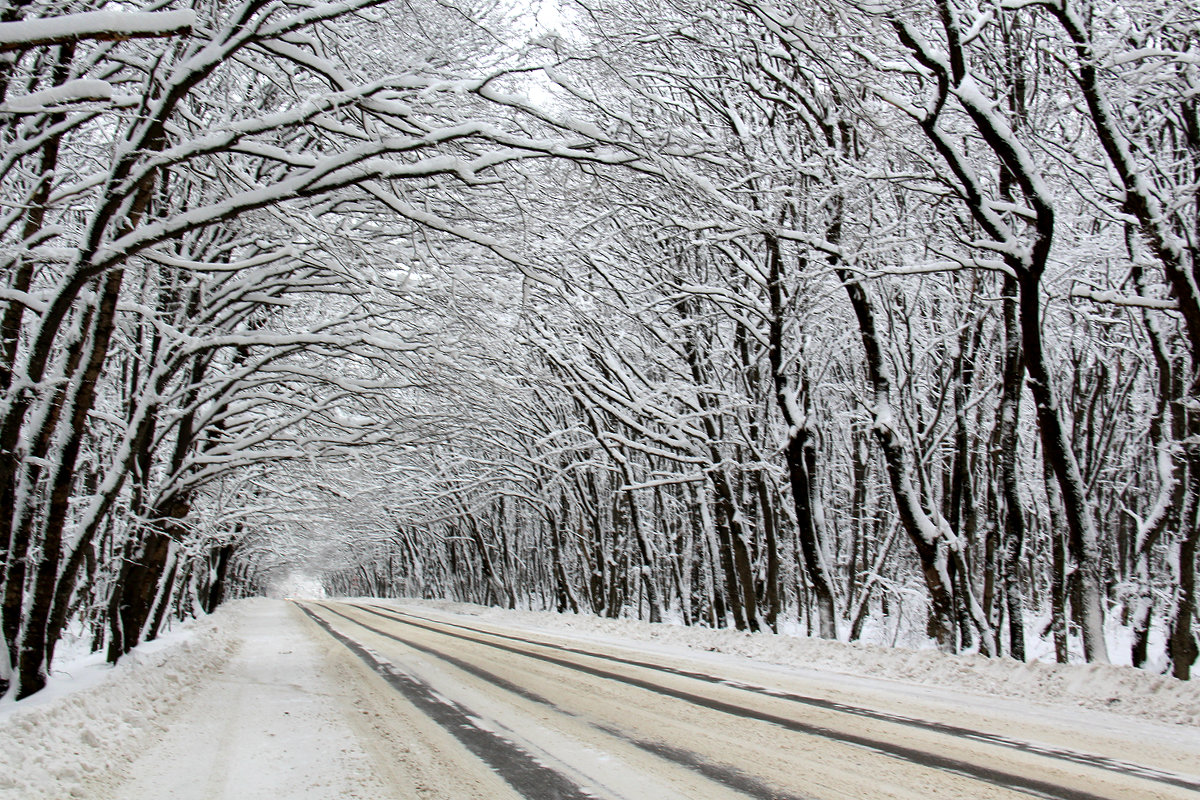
1007,447
735,554
32,665
216,588
799,451
1083,539
18,526
1182,645
564,597
931,544
163,598
1059,577
13,552
138,582
645,567
773,590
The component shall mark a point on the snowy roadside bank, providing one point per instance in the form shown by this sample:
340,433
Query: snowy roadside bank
1119,690
76,729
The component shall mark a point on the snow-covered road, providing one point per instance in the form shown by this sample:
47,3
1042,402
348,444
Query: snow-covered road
373,700
553,718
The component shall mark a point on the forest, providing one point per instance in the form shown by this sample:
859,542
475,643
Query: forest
867,320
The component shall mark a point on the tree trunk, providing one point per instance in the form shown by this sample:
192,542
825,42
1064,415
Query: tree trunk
564,597
137,584
1083,540
1059,576
163,598
18,526
772,595
931,540
799,452
216,587
735,553
645,553
1007,445
1182,645
32,667
13,552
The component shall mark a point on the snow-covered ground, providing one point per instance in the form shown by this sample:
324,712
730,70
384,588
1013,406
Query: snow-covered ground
92,718
165,712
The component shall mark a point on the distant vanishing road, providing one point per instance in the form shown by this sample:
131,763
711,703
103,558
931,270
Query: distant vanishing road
481,711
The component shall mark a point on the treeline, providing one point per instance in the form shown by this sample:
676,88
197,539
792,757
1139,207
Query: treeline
893,332
867,322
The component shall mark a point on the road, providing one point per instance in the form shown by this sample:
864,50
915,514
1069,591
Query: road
481,711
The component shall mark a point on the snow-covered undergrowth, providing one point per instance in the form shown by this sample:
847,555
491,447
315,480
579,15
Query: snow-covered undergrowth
1122,690
58,740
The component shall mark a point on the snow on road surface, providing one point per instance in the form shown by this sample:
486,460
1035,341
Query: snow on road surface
268,699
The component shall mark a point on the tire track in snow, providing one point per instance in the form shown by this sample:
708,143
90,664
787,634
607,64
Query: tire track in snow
520,769
1124,768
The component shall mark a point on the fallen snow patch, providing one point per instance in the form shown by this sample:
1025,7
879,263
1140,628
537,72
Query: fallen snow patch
55,742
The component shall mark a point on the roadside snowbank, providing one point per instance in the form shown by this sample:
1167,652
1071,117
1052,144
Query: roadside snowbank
94,724
1120,690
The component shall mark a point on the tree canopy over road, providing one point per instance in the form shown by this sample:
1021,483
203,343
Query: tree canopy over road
868,320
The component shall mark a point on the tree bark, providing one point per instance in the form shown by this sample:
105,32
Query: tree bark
1083,539
1007,444
931,540
1182,646
799,452
32,666
216,587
